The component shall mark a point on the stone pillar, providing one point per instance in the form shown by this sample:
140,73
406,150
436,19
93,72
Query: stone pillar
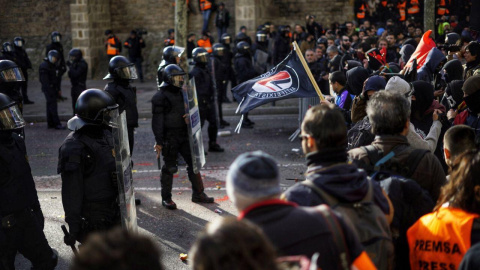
181,27
246,14
429,16
89,20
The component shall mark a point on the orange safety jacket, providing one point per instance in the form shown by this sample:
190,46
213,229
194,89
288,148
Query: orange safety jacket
169,42
414,7
206,44
439,240
442,8
205,5
111,49
401,9
361,12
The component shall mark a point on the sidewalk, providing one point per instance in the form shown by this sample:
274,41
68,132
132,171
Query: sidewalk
37,112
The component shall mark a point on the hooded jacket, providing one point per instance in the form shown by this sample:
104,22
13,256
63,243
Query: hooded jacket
406,51
427,71
454,70
453,95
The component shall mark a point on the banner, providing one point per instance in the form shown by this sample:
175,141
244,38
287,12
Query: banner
289,79
423,48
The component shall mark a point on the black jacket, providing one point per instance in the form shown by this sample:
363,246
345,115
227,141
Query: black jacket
222,19
203,81
48,76
78,73
134,47
125,96
61,65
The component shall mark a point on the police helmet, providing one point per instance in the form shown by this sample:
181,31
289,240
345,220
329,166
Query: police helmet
18,41
243,47
10,72
10,115
7,47
120,68
56,36
53,56
173,75
200,55
94,107
226,39
75,54
261,36
322,40
241,37
261,27
170,54
218,49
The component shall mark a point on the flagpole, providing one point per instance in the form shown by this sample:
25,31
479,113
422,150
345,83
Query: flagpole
305,66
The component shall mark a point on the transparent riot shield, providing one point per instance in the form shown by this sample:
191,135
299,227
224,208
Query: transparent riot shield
215,91
194,125
124,175
260,61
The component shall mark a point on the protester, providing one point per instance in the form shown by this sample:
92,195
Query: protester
457,140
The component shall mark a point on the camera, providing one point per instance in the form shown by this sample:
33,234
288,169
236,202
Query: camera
450,47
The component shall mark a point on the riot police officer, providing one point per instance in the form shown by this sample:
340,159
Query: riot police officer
22,221
10,81
122,72
77,72
205,95
61,66
171,136
86,163
221,76
227,61
24,63
245,71
8,53
171,55
49,79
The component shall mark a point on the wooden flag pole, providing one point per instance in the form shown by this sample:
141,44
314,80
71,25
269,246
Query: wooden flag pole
307,69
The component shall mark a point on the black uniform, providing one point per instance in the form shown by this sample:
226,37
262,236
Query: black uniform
205,93
221,79
171,133
22,219
160,70
49,79
89,190
125,96
24,63
60,65
135,53
78,77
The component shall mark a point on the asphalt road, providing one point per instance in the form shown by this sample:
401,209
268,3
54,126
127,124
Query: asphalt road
174,231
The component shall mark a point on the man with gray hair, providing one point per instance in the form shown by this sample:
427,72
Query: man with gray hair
334,58
389,114
253,185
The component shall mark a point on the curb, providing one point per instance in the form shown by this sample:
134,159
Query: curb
226,112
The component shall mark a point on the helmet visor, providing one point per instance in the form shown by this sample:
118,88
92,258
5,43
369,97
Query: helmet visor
52,59
261,37
128,72
12,75
8,48
110,116
178,51
202,57
56,38
11,118
18,43
178,80
226,40
219,51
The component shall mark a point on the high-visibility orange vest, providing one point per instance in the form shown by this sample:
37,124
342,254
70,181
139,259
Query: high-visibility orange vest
442,8
414,7
206,44
205,5
439,240
111,50
361,12
401,9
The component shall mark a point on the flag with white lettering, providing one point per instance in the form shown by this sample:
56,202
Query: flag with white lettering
289,79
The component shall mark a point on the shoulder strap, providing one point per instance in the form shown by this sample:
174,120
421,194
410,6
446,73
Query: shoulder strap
338,236
369,196
414,159
329,199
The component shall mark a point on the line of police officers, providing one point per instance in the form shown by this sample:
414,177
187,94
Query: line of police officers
86,158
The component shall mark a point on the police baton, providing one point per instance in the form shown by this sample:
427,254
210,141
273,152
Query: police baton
74,249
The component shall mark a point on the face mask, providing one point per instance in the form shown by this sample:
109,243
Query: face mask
473,102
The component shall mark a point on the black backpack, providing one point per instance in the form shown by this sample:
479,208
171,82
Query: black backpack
360,134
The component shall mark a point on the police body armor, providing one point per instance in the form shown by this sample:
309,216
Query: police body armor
173,116
203,83
47,72
127,101
17,188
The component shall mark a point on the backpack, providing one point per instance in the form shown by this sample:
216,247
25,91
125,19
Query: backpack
384,165
368,222
360,134
410,202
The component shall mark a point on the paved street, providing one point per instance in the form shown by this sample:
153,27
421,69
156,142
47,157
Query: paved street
175,231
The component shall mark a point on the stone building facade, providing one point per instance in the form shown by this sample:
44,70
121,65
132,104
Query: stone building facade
82,23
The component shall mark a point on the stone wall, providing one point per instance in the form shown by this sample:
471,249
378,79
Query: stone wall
34,21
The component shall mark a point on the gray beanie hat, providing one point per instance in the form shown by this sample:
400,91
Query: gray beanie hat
401,86
253,175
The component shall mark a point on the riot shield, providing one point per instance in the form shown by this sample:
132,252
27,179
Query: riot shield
215,91
260,61
194,125
124,175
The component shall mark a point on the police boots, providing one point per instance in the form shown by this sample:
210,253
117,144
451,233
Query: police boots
198,196
214,147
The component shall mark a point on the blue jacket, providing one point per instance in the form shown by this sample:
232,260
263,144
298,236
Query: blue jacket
434,58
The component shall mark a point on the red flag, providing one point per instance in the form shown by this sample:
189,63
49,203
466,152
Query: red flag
423,48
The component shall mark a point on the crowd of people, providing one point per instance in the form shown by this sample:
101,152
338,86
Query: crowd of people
391,150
